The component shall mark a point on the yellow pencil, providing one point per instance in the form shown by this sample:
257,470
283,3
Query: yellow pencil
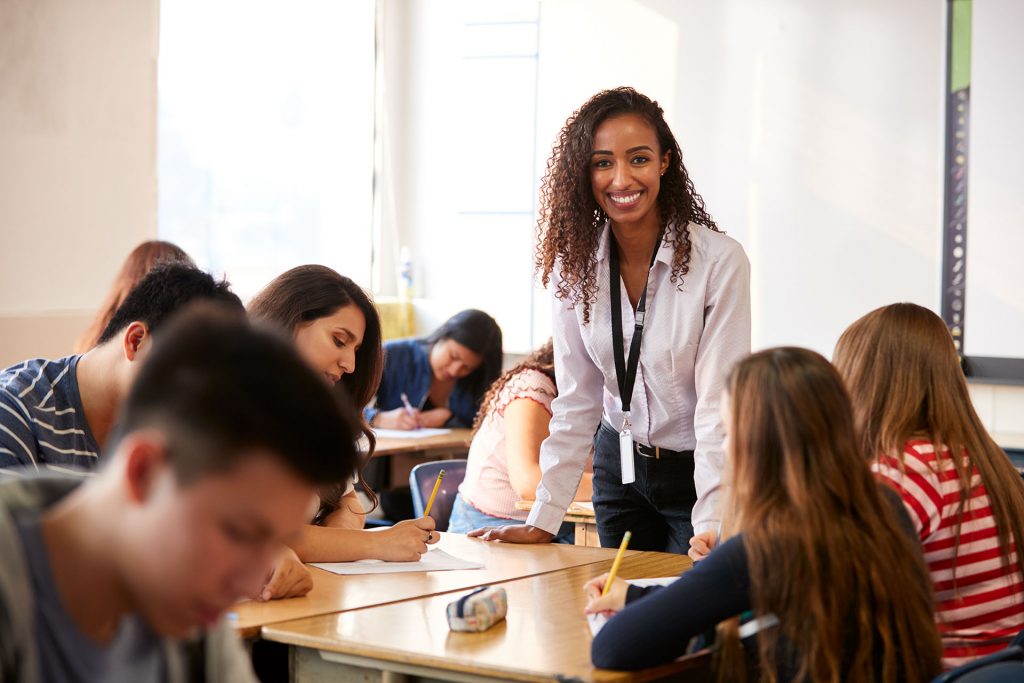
616,563
433,494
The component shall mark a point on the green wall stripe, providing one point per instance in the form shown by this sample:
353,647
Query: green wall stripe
960,52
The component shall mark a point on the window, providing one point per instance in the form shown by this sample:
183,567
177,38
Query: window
266,135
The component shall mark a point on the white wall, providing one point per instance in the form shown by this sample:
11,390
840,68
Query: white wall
78,151
814,131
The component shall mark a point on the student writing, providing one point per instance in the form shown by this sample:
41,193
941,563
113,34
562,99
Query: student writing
220,445
818,543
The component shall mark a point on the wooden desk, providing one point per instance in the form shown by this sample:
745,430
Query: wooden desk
335,593
582,517
455,442
545,635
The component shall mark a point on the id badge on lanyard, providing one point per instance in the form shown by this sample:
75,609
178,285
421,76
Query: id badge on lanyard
625,369
626,452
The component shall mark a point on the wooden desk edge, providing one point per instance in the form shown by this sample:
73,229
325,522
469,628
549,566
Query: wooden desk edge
252,631
372,658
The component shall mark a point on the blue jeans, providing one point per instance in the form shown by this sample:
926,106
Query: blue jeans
465,518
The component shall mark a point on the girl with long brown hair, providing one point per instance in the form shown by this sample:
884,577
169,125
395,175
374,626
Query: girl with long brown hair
337,330
651,306
504,458
140,261
818,544
920,430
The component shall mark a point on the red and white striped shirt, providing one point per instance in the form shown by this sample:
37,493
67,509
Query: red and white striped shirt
983,608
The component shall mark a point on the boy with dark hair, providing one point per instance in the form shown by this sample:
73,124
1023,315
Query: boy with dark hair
58,413
216,458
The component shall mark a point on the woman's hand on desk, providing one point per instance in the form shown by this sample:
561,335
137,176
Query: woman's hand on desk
702,544
607,604
405,541
289,579
514,533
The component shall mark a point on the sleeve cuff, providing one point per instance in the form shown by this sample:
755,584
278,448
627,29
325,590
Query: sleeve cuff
546,516
705,526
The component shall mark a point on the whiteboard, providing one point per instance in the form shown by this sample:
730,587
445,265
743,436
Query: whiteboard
994,298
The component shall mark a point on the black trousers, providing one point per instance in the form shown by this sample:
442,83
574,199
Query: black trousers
656,508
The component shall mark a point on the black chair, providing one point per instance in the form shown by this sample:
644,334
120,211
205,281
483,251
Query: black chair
421,481
1005,666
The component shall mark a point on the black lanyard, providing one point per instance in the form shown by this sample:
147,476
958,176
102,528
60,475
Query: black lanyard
625,372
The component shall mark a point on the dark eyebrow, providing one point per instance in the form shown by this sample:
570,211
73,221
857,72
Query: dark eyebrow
348,334
600,151
637,149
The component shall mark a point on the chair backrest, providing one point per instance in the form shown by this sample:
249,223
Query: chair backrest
421,481
1004,666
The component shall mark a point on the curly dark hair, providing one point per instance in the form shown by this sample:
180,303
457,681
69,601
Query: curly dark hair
541,360
569,220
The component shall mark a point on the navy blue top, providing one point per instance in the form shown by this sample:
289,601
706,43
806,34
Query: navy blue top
42,421
407,369
658,622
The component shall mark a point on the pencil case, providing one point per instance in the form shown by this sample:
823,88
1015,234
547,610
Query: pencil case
479,610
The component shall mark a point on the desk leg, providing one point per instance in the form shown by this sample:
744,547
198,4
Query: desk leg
307,666
312,666
586,534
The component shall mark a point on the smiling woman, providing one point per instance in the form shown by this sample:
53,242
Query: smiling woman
618,210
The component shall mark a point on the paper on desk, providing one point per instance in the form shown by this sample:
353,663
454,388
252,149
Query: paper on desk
420,433
597,621
582,505
434,560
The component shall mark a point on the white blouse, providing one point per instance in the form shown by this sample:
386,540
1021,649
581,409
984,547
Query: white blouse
693,335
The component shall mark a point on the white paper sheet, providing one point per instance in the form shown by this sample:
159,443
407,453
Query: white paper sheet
433,560
597,621
421,433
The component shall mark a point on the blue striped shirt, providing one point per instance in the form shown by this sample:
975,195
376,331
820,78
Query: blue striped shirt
42,422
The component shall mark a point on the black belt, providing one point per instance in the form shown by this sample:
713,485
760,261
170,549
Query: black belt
658,453
646,451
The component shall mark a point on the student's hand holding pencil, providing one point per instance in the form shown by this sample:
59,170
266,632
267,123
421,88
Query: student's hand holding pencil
602,601
399,418
405,541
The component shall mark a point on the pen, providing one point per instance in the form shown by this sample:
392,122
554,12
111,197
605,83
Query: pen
409,410
433,495
615,564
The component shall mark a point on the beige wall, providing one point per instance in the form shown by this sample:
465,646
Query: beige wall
78,176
